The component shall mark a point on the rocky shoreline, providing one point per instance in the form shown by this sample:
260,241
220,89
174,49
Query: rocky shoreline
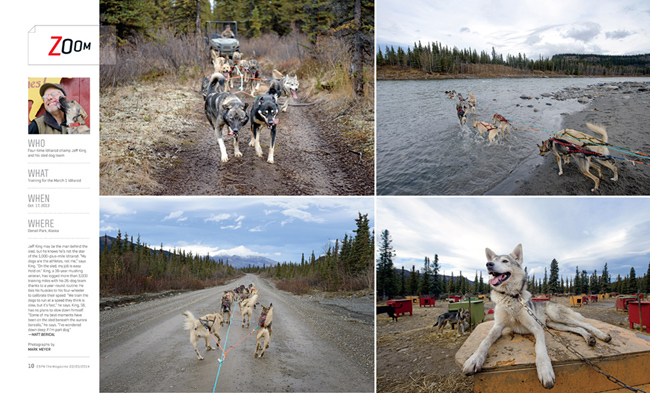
624,109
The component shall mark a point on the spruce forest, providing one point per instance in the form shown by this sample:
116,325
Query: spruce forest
436,58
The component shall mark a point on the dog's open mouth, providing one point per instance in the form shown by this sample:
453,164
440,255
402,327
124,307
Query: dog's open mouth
498,278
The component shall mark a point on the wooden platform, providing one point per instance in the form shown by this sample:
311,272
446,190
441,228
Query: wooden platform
510,364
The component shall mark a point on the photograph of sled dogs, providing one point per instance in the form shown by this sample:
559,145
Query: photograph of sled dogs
511,65
538,279
158,137
199,289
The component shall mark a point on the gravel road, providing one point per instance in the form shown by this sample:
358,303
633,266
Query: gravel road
318,344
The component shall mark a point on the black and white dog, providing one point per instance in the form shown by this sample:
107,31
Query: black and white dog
224,109
264,112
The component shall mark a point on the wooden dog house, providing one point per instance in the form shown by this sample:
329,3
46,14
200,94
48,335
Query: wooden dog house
429,301
402,306
634,314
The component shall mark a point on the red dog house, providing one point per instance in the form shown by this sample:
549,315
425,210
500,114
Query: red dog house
622,301
427,301
633,314
401,306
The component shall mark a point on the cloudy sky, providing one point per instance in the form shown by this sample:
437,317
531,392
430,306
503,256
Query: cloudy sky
277,228
583,232
529,27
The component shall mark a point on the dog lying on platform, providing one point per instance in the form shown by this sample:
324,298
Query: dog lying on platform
203,328
514,309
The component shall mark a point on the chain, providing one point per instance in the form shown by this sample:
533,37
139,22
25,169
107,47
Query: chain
573,351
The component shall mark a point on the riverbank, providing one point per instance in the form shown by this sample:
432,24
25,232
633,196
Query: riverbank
624,109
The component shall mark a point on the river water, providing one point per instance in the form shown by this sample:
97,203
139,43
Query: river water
423,150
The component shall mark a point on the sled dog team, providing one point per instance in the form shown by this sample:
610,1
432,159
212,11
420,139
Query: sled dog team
207,327
588,151
227,113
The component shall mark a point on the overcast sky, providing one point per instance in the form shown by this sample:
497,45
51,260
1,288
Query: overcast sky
529,27
277,228
577,231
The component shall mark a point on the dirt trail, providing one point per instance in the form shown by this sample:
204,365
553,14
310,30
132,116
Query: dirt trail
311,158
314,347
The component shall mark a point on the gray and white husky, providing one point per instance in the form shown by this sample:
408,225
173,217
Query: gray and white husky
288,86
509,294
224,111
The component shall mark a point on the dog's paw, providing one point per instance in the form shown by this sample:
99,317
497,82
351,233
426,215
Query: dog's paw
591,340
224,158
270,160
238,154
473,365
545,373
547,378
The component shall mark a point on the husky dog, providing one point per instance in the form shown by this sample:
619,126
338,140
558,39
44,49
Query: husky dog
75,116
390,310
289,86
254,75
246,307
483,127
458,317
264,112
462,115
225,110
512,306
502,123
226,301
587,150
203,328
265,330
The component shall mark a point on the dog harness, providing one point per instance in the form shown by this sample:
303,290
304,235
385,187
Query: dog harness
225,304
262,319
574,148
209,328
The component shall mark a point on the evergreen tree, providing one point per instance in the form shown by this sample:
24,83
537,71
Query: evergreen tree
605,285
386,280
553,280
633,287
437,284
646,288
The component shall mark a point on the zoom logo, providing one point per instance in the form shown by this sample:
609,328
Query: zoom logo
67,46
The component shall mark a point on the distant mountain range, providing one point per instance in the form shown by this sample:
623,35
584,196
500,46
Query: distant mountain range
239,261
236,261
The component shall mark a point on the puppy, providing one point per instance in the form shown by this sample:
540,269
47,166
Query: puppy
75,116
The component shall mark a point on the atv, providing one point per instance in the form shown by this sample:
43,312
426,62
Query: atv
225,46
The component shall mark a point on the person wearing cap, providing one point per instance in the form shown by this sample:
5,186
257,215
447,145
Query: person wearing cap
228,33
53,120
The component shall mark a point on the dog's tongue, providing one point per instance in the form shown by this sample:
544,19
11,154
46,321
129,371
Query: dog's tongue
295,96
495,279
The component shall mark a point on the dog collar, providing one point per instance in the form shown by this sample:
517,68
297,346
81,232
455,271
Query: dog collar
518,293
74,125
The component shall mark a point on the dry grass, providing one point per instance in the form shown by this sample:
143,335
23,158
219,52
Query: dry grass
137,120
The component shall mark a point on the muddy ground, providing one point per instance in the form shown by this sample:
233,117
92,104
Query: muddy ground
156,140
412,356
